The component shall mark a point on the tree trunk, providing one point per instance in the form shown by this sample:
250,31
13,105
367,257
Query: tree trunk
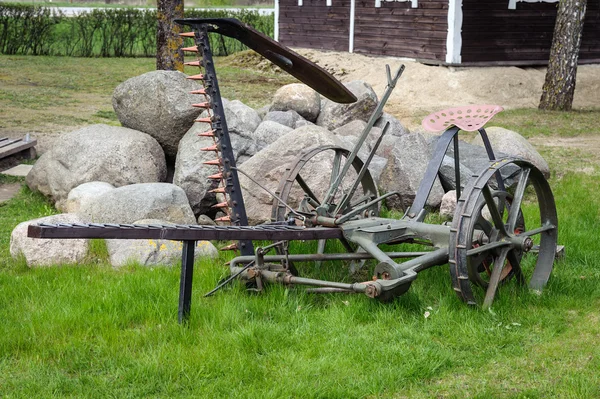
168,42
559,87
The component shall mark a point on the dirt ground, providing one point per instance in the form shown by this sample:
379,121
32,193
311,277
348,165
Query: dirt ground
425,88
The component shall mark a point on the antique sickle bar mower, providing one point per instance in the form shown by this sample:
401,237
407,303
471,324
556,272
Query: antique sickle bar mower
504,228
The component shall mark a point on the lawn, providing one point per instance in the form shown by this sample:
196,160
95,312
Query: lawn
92,331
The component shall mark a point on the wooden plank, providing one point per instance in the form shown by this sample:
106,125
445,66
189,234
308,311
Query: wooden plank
16,146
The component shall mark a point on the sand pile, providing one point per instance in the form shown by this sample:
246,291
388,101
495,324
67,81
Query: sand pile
423,89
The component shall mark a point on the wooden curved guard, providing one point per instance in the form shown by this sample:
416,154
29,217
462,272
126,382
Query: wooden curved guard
468,118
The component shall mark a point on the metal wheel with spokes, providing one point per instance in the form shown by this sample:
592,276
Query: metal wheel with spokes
306,181
494,229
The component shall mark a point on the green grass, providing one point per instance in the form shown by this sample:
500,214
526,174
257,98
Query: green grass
92,331
50,94
530,123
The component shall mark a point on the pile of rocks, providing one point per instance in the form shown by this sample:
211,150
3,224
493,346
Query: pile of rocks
152,167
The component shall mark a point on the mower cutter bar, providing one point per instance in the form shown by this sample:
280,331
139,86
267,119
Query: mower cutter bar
181,232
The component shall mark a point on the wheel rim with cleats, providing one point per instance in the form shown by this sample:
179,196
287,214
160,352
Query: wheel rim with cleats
521,219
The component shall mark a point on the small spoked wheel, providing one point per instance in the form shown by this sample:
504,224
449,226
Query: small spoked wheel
496,229
306,183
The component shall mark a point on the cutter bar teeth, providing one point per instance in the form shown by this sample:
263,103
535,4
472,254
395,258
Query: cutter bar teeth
211,148
192,63
215,162
196,77
205,105
230,247
217,176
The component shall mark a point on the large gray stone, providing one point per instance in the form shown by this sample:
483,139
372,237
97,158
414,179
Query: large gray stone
268,166
154,252
263,111
48,252
140,201
377,163
512,143
356,129
268,132
111,154
474,160
298,97
242,121
158,103
287,118
84,193
334,115
408,157
448,176
396,127
190,172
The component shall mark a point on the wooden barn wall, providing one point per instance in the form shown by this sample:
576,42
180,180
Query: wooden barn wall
396,29
493,33
314,25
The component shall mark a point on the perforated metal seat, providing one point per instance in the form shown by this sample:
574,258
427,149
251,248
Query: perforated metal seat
468,118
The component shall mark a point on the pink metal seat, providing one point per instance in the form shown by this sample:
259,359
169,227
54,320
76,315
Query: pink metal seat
468,118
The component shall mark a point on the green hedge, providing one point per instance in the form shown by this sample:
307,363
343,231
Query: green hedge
107,32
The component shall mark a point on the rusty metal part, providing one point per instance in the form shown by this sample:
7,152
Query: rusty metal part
214,147
216,176
193,63
199,76
215,162
221,205
230,247
498,257
288,60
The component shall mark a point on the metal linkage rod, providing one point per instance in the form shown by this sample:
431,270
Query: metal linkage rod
376,115
344,202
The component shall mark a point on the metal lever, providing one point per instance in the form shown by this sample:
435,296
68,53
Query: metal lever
376,115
